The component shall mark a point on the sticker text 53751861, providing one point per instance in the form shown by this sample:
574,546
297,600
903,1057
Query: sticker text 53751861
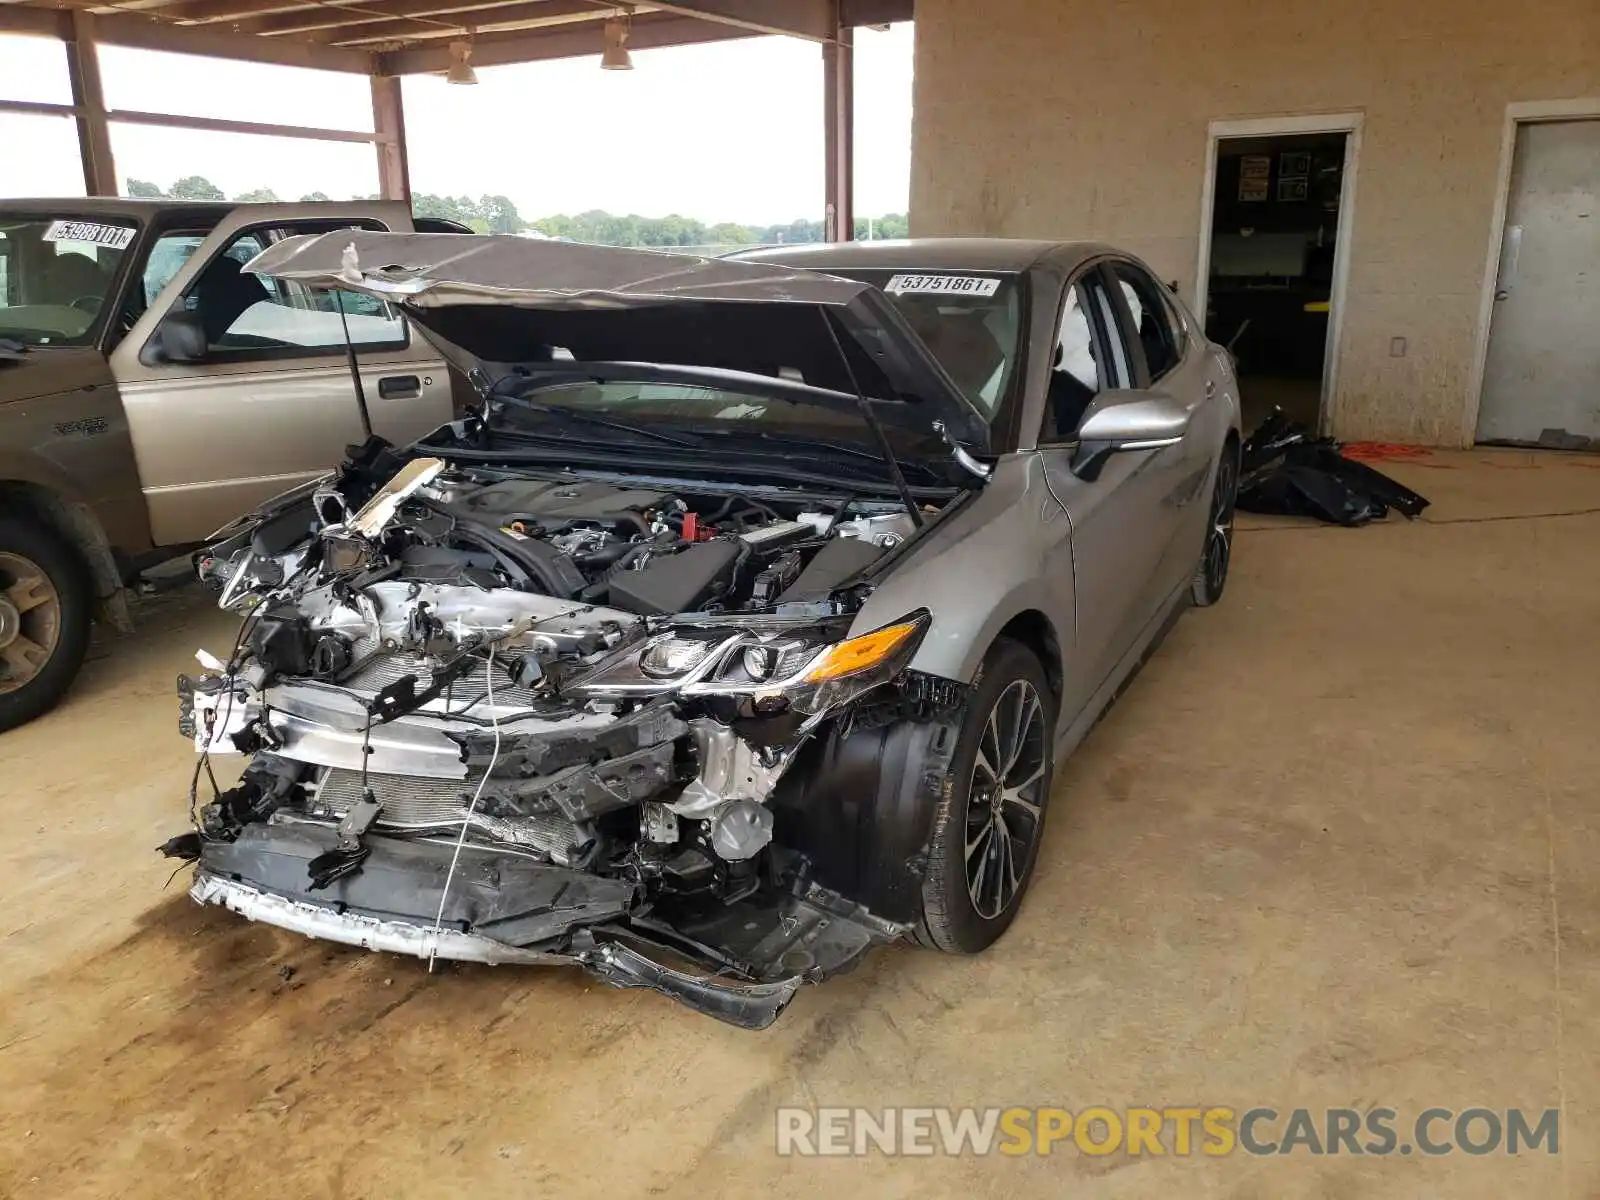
945,285
114,237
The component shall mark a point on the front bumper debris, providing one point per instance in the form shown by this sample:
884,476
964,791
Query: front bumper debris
506,908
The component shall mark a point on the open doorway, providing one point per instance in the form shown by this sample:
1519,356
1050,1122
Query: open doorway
1272,263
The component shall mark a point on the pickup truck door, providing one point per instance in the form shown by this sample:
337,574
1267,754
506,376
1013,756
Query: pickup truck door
270,404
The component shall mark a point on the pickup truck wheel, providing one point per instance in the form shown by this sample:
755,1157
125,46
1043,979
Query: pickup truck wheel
44,620
987,828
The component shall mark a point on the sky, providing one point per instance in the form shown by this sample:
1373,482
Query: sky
728,131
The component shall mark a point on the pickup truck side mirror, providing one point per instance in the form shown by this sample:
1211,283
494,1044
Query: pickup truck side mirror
181,338
1127,420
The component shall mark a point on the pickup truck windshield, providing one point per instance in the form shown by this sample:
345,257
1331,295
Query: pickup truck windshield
57,274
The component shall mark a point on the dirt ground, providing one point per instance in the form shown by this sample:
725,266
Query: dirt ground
1336,847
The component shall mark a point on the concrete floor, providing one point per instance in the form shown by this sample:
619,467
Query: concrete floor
1336,847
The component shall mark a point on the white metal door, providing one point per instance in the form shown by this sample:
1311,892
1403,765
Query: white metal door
1541,381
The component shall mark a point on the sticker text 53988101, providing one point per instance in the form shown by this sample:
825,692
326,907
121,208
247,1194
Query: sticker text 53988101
114,237
945,285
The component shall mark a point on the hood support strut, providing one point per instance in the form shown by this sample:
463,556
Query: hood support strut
873,423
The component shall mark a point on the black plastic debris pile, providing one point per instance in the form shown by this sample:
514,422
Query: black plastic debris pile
1285,469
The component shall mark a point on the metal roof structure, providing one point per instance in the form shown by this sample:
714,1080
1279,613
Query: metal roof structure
387,39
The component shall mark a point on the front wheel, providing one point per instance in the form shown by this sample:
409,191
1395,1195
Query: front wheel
988,824
1211,576
44,620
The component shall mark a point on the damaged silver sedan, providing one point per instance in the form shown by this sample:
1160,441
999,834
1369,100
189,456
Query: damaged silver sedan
736,631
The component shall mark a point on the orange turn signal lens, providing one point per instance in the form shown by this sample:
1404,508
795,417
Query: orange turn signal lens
861,653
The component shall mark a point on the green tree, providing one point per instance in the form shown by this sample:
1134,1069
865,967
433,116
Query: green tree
448,207
258,196
314,198
891,225
143,189
726,233
500,215
196,187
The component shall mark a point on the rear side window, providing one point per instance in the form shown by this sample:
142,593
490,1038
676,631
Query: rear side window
1152,319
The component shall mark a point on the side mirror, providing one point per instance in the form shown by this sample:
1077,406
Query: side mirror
1127,420
181,338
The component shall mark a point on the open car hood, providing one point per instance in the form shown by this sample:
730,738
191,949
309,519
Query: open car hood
509,300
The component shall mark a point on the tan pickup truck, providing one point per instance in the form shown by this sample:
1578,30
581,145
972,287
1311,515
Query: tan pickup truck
150,391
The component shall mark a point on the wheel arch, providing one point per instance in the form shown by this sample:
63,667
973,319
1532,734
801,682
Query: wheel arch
74,523
1033,629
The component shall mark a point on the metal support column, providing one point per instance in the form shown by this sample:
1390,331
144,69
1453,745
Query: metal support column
94,132
839,120
389,123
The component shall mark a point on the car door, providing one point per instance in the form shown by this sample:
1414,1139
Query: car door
269,403
1175,364
1118,518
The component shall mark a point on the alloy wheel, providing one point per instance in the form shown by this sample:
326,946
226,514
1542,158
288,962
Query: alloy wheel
30,621
1004,800
1219,537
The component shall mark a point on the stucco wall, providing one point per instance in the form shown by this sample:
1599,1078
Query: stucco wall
1065,118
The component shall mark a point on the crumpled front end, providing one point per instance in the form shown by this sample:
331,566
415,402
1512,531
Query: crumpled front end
508,719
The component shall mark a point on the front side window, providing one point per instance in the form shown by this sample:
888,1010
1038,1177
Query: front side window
167,257
1152,319
246,315
1075,371
58,276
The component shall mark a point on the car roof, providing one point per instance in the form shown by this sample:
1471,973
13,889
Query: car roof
110,206
930,254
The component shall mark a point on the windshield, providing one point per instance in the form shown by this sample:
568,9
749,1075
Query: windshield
56,275
692,406
642,414
971,321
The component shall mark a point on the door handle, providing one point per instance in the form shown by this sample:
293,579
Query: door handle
399,387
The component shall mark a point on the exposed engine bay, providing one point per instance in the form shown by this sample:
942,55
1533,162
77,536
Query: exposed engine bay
525,715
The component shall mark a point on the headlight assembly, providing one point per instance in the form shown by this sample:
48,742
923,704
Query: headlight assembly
802,668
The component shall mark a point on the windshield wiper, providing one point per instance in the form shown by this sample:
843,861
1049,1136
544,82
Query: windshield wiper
579,417
783,444
784,439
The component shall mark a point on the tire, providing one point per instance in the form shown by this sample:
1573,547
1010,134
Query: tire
45,603
958,916
1211,575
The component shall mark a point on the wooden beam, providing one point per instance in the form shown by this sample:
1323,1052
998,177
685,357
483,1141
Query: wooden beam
500,49
389,120
504,18
143,33
38,108
203,12
39,22
875,12
88,98
838,137
221,125
376,12
813,20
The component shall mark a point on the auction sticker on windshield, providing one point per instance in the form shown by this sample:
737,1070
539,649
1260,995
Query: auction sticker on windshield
115,237
948,285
